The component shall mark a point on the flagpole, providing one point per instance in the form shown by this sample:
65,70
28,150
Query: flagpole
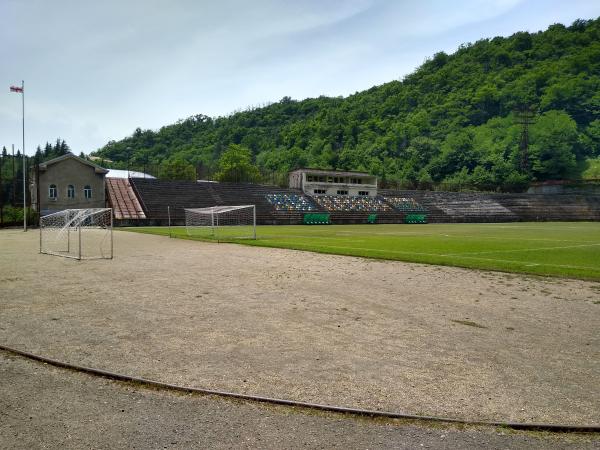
24,159
21,90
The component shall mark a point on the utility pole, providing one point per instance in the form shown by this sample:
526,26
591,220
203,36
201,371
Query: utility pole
1,193
14,179
37,192
21,90
24,159
525,117
128,156
24,191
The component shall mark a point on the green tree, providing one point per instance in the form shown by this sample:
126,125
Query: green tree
61,147
593,132
47,151
552,153
177,169
236,165
38,155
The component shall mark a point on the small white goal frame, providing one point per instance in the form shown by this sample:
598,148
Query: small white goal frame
221,222
85,233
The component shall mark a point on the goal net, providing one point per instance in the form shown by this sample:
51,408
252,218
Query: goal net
221,222
78,233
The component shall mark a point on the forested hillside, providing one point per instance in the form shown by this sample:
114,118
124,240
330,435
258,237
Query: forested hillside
456,119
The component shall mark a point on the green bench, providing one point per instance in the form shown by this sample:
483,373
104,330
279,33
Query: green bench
316,219
415,218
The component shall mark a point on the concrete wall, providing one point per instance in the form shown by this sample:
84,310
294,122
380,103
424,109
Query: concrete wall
295,180
574,188
64,173
333,188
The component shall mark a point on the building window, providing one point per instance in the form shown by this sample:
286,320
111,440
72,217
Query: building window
71,191
308,177
330,179
319,191
363,193
52,192
87,191
342,192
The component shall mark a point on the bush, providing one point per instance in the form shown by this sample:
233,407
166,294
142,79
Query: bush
14,215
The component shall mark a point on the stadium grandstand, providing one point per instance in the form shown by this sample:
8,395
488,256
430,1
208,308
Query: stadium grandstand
343,197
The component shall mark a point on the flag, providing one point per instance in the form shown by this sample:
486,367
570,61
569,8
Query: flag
16,89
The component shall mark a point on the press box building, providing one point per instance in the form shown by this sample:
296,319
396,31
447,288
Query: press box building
332,182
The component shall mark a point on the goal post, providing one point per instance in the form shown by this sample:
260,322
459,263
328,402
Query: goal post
221,222
78,233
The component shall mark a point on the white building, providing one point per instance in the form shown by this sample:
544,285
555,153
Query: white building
333,182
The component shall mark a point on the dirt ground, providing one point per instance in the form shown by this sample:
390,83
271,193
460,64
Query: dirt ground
318,328
45,407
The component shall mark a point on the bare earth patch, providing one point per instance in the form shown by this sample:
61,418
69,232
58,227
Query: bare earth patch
319,328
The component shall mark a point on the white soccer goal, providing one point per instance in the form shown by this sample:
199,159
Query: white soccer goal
222,222
78,233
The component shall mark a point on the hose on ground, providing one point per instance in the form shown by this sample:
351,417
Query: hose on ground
554,427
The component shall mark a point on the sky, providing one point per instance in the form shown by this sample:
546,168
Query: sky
95,71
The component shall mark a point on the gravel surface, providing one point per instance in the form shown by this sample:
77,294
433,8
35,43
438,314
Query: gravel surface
319,328
45,407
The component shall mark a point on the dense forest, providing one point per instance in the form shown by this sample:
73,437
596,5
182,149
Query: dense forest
458,119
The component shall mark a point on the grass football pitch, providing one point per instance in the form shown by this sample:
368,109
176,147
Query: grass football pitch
563,249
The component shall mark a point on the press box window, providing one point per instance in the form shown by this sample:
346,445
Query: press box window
363,193
342,192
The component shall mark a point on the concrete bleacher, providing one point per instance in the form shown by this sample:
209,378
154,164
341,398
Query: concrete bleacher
351,203
278,206
559,207
407,204
156,195
123,200
496,207
290,202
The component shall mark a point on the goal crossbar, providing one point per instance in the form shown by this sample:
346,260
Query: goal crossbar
221,222
218,209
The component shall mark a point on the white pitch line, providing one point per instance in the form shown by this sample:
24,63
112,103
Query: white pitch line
459,236
504,238
523,250
568,266
461,256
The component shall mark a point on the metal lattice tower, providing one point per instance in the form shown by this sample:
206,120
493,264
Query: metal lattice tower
525,117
